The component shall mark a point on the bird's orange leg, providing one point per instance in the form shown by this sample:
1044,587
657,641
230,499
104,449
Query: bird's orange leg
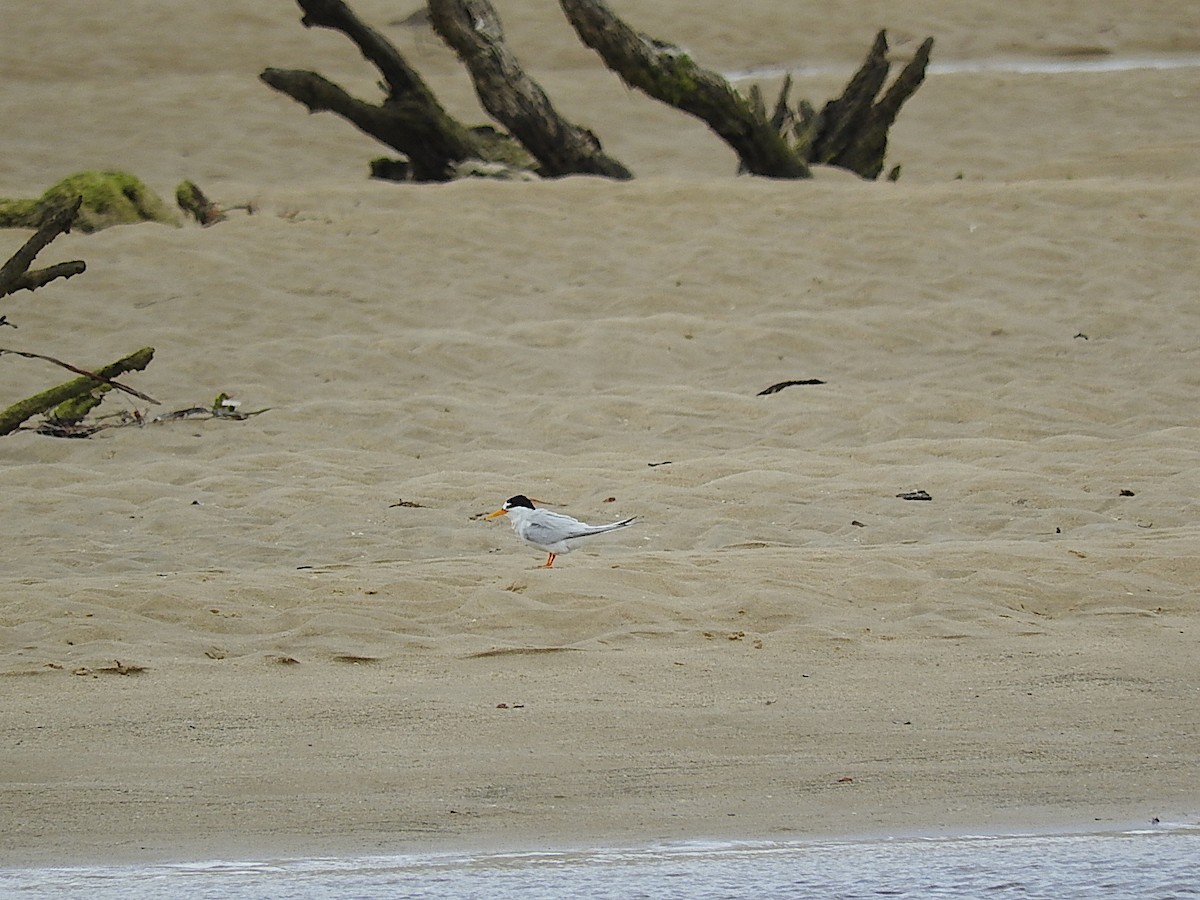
549,563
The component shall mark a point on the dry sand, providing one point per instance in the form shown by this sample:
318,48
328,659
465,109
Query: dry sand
782,647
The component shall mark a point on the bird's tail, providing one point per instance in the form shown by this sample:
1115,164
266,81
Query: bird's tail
600,529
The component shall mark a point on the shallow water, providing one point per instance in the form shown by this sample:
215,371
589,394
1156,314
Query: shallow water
1143,864
1058,65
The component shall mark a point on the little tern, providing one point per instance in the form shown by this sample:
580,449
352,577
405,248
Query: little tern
550,531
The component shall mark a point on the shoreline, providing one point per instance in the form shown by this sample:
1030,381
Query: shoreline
1081,63
347,856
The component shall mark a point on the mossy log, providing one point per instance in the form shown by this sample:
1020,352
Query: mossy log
55,220
669,74
195,203
850,132
109,198
83,387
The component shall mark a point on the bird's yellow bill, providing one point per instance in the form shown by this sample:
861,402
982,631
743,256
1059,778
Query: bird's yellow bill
499,512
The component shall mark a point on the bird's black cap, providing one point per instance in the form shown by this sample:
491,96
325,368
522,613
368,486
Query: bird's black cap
519,500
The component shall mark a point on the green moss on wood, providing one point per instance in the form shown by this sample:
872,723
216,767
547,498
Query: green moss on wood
109,198
84,386
73,411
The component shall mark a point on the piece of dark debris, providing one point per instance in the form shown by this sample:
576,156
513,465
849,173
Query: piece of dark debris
776,388
914,495
665,462
51,428
117,668
223,408
192,412
411,504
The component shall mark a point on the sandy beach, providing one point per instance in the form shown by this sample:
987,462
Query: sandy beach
295,634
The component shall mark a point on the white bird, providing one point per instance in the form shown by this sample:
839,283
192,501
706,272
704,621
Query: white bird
550,531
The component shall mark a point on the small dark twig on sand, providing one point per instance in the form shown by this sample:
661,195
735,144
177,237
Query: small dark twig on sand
776,388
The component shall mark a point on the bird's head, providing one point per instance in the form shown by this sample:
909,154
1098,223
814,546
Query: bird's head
518,502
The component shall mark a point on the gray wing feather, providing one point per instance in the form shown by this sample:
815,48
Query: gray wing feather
546,532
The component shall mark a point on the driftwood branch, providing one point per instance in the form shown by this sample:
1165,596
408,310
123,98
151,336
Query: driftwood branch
402,80
850,131
668,73
474,31
195,203
854,126
409,120
15,275
12,417
31,281
431,142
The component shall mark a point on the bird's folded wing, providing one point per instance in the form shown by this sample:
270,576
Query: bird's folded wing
551,529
